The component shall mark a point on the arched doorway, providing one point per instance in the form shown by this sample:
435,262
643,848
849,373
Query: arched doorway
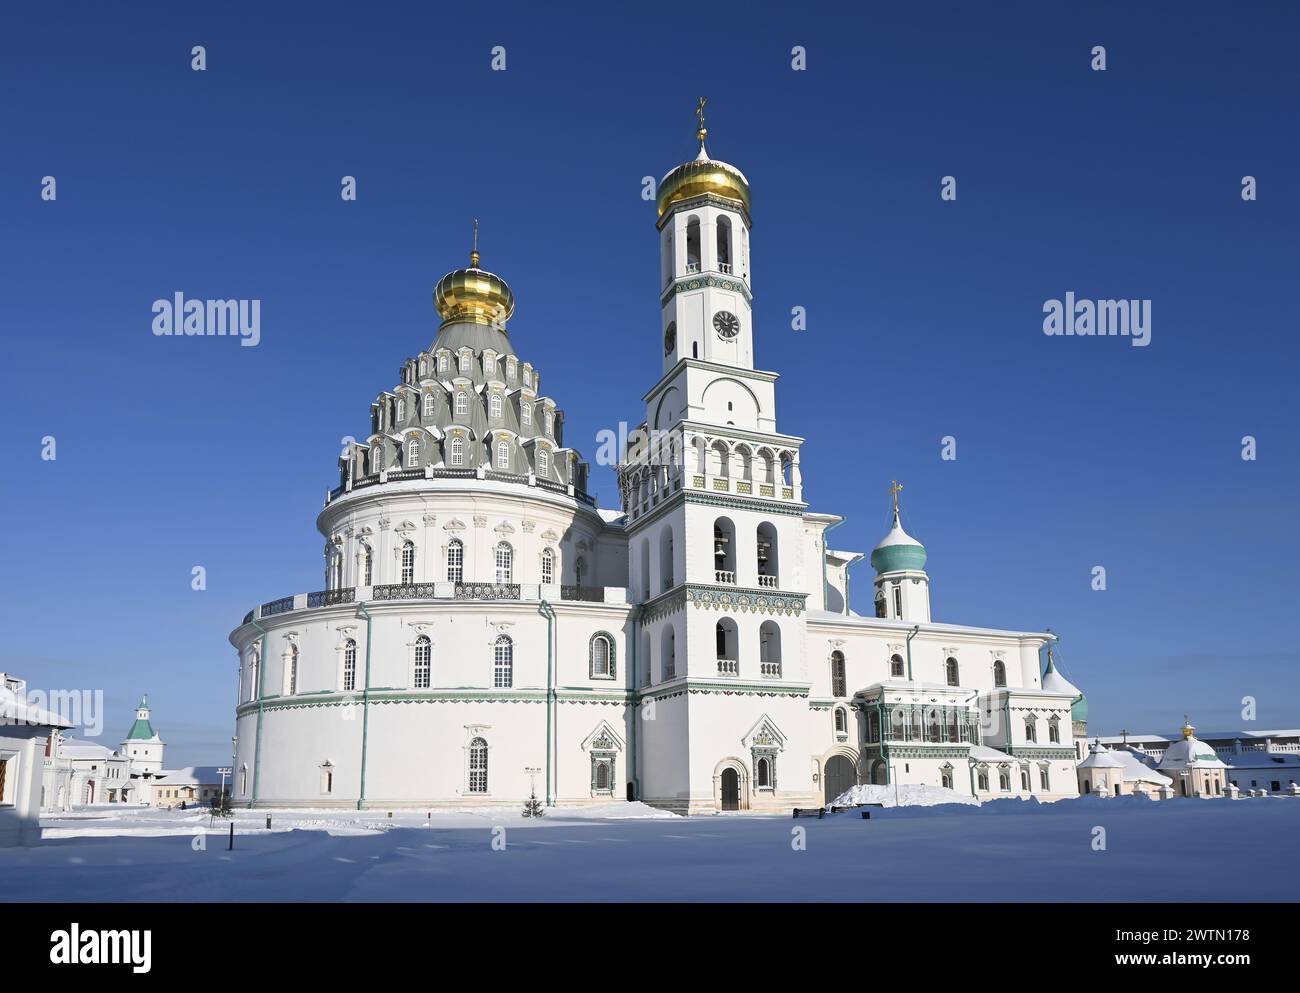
839,776
730,789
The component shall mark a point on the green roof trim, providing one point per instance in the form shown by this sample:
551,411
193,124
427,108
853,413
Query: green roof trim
141,730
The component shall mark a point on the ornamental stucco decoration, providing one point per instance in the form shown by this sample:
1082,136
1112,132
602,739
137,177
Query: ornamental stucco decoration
746,602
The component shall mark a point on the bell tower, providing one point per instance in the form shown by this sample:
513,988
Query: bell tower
704,227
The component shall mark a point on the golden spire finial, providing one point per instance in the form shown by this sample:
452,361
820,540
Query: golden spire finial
1188,730
474,255
702,132
895,488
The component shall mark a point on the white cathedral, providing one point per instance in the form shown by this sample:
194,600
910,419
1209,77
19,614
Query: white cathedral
487,630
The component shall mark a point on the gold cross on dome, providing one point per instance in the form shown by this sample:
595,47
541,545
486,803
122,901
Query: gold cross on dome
895,488
701,132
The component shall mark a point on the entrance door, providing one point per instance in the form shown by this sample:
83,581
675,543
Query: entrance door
839,776
730,789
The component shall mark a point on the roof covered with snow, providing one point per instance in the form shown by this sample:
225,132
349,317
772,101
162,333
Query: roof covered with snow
191,775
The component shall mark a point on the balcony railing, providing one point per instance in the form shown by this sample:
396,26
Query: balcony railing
692,267
328,598
404,591
726,576
280,606
724,267
487,591
584,594
767,582
771,670
728,667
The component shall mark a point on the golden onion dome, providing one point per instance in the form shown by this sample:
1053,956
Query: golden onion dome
473,296
704,175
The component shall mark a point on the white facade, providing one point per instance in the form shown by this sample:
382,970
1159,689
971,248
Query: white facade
485,629
25,732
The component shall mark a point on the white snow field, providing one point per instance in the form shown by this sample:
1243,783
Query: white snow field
1006,850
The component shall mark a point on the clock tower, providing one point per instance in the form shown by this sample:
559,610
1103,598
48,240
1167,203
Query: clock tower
714,518
704,261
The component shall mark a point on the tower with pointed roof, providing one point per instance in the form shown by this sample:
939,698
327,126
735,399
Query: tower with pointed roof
142,744
902,585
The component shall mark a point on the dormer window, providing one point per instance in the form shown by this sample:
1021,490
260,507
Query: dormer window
526,414
489,365
401,410
511,369
494,406
550,423
542,462
462,404
457,451
503,455
443,362
413,453
465,358
429,402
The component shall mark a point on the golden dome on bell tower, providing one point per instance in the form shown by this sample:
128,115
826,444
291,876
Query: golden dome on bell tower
474,295
703,176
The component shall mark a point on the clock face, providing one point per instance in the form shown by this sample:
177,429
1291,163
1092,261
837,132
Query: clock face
670,337
726,324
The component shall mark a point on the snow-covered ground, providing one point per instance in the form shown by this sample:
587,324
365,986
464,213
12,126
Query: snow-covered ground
1004,850
911,795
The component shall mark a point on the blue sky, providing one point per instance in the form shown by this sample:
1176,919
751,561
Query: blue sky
925,317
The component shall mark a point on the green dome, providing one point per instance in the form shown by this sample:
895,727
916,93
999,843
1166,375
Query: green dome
898,551
1079,710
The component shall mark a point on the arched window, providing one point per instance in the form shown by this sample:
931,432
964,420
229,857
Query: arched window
841,721
602,776
668,657
882,605
526,414
478,766
764,773
505,562
693,245
254,671
291,672
503,455
839,684
983,780
462,403
511,368
1024,778
429,403
423,662
898,601
1031,730
367,565
465,358
377,457
401,410
494,406
349,666
896,665
457,450
408,562
550,423
243,780
503,663
724,244
951,672
548,566
999,673
413,453
442,362
1044,778
455,561
945,777
1054,731
489,366
1004,779
602,656
543,462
